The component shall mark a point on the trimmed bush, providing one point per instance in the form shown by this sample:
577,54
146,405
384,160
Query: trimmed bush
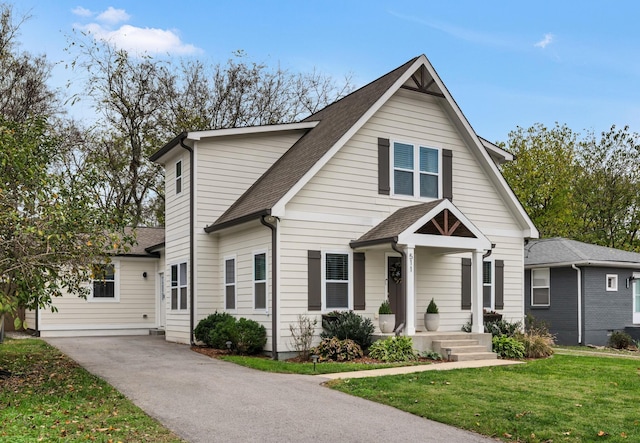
207,324
393,349
349,325
334,349
508,347
225,330
250,337
620,340
503,327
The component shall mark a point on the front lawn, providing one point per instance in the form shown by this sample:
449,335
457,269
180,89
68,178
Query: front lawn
48,397
560,399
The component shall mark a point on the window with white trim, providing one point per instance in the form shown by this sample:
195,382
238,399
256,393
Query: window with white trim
612,282
487,285
540,287
178,176
179,286
336,281
230,283
260,280
103,284
416,170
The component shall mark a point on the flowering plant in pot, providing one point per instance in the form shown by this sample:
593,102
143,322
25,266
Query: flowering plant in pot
386,317
432,317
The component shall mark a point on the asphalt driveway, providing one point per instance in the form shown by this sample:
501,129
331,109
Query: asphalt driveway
208,400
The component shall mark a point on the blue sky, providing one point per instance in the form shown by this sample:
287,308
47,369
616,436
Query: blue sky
506,63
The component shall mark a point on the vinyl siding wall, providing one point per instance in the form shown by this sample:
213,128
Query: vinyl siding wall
136,298
343,199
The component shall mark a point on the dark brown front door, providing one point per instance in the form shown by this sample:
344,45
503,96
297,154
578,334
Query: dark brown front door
395,281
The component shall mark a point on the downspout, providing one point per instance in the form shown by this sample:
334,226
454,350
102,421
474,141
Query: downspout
191,240
394,246
272,224
579,303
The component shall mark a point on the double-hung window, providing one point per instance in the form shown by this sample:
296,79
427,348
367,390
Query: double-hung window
230,283
336,281
178,177
416,170
487,284
179,286
540,287
260,281
104,282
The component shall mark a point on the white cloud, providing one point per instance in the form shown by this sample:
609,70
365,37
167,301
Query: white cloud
548,38
82,12
134,39
113,16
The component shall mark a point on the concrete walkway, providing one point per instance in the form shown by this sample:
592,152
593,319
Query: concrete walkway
207,400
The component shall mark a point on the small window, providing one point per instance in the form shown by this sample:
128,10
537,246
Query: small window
260,281
416,171
336,281
104,281
487,284
540,287
179,177
179,286
230,283
612,282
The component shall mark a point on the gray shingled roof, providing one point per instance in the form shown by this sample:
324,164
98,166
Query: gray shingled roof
395,224
551,251
334,121
145,238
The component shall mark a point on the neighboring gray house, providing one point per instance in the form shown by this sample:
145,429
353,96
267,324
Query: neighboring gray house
582,291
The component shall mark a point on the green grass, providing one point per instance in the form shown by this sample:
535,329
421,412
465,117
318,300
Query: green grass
50,398
560,399
286,367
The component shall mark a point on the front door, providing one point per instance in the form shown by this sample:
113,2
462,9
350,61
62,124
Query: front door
636,300
394,287
162,302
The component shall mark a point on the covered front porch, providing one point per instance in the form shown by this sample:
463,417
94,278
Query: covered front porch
418,244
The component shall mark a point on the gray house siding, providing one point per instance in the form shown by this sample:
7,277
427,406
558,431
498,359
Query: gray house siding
605,311
562,314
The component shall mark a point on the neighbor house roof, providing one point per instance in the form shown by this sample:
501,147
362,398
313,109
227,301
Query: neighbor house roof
564,252
147,241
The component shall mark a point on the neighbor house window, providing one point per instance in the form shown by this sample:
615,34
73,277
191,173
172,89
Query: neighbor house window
230,283
260,280
416,170
179,286
104,281
612,282
179,177
540,285
336,281
487,284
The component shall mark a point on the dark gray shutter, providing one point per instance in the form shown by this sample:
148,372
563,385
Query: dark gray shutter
499,282
466,283
314,270
383,166
447,173
358,281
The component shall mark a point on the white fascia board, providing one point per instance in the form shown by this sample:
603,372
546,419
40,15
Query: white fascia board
448,242
278,209
595,263
199,135
505,156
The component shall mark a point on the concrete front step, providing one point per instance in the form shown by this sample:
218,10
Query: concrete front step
453,343
467,349
474,356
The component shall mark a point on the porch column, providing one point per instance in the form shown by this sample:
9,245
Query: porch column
410,326
477,324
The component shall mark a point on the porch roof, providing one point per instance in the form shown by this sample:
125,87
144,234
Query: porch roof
434,224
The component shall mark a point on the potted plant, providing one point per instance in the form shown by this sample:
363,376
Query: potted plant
432,317
386,318
491,316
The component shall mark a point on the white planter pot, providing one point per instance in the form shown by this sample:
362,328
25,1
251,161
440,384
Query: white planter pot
431,321
387,323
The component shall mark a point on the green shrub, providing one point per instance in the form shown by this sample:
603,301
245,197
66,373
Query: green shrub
508,347
432,355
207,324
250,337
385,308
224,331
349,325
620,340
536,345
503,327
393,349
334,349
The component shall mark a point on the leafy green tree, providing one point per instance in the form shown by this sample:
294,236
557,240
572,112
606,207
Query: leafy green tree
542,176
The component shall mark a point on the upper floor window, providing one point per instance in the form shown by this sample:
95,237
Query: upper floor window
178,176
104,281
540,287
416,170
